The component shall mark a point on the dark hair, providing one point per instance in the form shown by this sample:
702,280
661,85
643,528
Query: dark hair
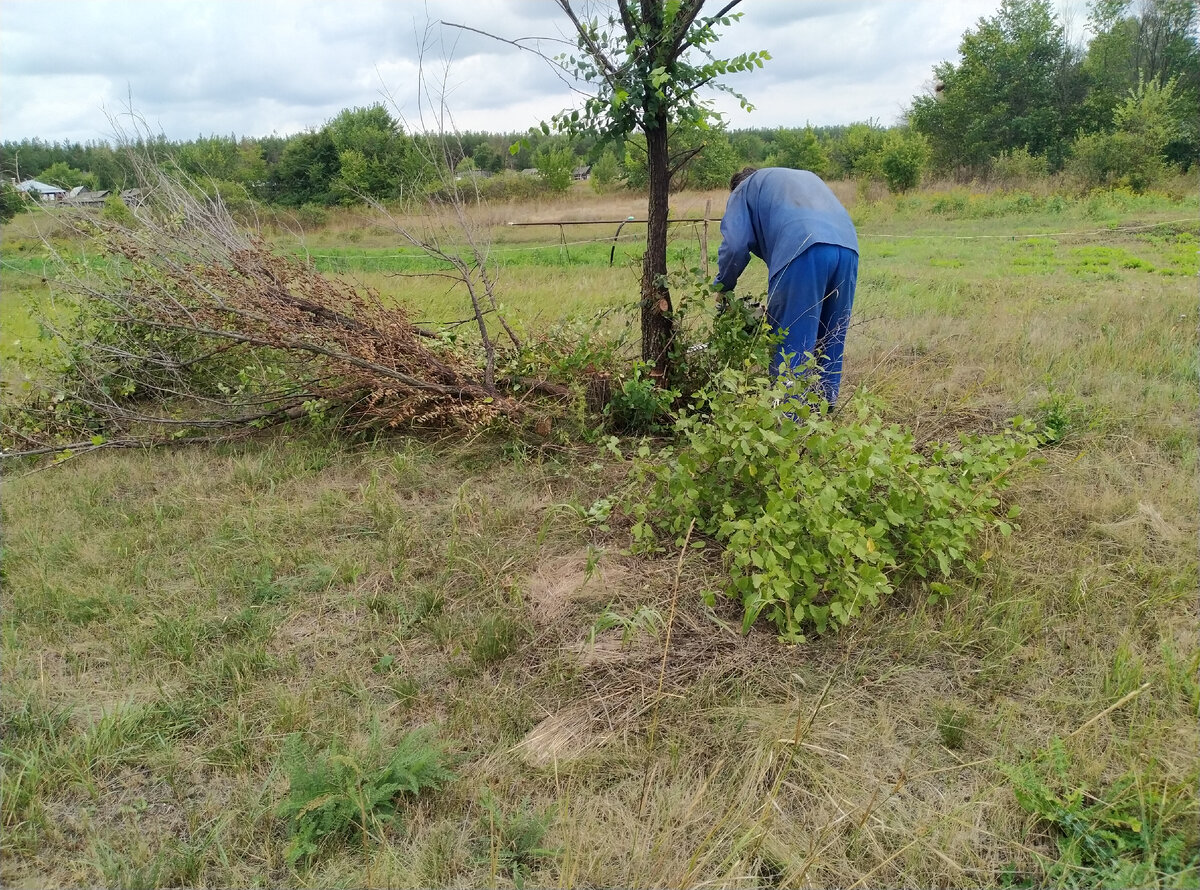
741,176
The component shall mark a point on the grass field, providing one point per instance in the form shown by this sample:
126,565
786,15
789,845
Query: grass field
188,634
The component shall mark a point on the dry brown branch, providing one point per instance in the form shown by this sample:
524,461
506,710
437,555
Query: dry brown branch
186,320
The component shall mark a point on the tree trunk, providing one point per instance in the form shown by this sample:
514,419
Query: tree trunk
657,323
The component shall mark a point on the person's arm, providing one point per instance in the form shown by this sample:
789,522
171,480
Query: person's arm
737,241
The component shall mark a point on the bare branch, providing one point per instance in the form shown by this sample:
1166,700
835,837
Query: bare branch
562,75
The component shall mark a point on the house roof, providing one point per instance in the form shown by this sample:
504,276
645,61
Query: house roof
32,185
83,196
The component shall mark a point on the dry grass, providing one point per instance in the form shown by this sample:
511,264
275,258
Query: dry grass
171,617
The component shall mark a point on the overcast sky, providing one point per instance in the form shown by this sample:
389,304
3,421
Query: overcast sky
256,67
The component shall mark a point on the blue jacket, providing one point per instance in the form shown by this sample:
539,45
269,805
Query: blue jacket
778,213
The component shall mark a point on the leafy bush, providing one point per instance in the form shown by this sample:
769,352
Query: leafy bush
12,201
555,166
312,216
855,152
510,186
334,795
640,405
117,211
902,160
798,149
820,516
1019,166
606,173
1133,154
714,332
1135,833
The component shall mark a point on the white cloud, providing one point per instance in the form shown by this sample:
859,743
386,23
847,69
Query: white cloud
254,67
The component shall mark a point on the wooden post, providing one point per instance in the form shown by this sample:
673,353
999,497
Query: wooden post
704,238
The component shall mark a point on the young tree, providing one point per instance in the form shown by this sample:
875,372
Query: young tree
374,156
1133,154
1142,42
555,164
800,150
306,169
12,201
648,62
67,177
902,160
606,172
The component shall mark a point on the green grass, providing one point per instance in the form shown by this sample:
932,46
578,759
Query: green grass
172,619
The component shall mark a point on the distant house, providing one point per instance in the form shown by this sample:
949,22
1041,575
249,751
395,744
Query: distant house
133,197
44,192
583,172
82,197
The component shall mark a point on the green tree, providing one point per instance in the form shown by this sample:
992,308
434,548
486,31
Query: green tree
555,164
1016,85
306,170
713,164
649,61
800,150
64,176
215,157
902,159
375,159
487,158
855,152
1134,153
1152,40
750,146
606,172
251,169
12,201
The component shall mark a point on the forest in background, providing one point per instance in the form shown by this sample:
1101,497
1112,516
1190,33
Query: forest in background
1022,100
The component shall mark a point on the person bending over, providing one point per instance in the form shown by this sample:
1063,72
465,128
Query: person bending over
793,222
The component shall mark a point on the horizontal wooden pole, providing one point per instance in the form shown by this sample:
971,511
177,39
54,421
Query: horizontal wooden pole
609,222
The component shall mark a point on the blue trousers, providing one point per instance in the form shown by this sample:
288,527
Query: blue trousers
810,303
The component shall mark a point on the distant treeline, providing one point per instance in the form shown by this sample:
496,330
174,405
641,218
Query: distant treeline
1022,100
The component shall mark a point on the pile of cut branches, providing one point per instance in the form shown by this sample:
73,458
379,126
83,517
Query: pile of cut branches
182,326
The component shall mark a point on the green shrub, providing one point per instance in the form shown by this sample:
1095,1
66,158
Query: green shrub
1019,166
1133,154
820,516
333,795
714,332
12,201
115,210
555,166
510,186
798,149
606,173
902,160
640,405
312,216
